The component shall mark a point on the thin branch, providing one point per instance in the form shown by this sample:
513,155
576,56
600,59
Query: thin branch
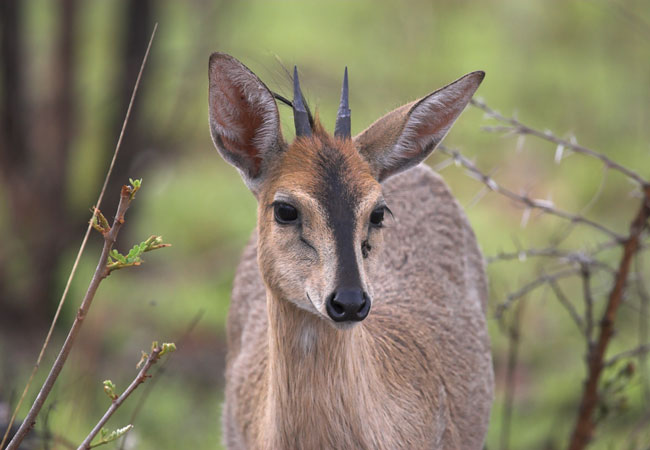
543,205
588,297
510,382
137,381
160,370
551,252
644,300
594,198
516,127
585,424
83,244
568,305
639,351
101,272
531,286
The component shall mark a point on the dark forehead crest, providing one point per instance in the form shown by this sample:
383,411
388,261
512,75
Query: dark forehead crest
335,177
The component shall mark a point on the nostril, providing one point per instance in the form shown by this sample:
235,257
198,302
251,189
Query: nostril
348,305
364,308
337,307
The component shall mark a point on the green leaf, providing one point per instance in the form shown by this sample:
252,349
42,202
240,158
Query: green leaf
109,389
105,437
168,347
143,359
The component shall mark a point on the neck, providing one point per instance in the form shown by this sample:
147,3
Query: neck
319,380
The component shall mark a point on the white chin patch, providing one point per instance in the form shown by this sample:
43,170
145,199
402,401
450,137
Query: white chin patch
307,338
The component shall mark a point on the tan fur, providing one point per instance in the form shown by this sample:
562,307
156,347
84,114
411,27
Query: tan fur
417,372
371,388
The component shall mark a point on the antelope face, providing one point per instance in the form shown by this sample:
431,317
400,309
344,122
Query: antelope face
320,222
320,204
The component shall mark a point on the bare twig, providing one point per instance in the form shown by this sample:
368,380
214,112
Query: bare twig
531,286
585,273
644,299
160,370
552,252
137,381
82,247
584,427
639,351
101,272
510,382
516,127
543,205
568,305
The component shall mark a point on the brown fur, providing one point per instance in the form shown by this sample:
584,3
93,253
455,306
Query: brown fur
417,372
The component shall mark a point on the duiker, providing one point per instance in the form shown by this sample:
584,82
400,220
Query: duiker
352,325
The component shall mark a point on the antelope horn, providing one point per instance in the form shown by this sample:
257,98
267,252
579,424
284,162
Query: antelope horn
343,126
300,114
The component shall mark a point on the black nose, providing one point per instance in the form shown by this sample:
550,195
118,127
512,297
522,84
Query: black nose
348,305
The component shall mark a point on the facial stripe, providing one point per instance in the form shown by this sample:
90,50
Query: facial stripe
339,197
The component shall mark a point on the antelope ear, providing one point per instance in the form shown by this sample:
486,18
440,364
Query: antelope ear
244,120
405,136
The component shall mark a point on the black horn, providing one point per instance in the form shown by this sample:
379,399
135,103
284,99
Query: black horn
343,125
300,114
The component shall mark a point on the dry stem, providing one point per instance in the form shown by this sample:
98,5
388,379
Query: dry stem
100,273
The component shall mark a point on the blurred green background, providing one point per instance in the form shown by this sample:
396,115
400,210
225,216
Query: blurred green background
579,68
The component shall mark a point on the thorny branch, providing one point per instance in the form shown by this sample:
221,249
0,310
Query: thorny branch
531,286
543,205
581,263
516,127
582,258
585,424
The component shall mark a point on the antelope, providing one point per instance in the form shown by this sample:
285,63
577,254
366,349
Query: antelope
333,341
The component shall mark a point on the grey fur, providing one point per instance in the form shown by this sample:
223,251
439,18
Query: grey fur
427,329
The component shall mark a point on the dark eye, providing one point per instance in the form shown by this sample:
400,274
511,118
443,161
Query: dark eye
285,213
377,216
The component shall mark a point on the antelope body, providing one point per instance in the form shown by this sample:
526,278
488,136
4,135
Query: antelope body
335,342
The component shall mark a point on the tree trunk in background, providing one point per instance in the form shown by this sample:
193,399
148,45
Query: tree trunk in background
13,147
35,143
35,139
139,25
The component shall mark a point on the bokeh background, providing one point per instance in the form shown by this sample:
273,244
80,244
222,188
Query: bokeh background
576,67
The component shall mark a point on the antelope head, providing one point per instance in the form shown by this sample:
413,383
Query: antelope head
320,203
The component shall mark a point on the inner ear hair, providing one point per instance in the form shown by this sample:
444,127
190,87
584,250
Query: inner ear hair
244,119
405,137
